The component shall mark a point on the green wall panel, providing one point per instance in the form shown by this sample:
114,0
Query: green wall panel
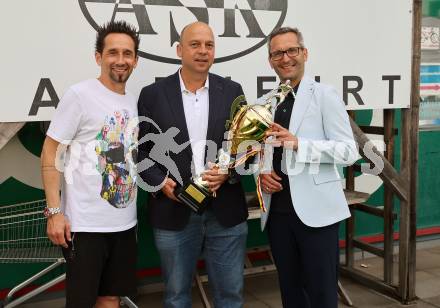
13,191
431,8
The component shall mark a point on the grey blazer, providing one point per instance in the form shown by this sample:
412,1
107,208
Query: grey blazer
325,140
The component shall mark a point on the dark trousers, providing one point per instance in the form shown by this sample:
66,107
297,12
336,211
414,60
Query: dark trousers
307,261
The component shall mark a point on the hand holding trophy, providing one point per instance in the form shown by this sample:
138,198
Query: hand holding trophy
247,123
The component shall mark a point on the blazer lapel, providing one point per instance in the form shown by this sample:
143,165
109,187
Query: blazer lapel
215,101
174,99
302,102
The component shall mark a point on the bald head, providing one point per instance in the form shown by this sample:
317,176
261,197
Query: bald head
196,49
195,27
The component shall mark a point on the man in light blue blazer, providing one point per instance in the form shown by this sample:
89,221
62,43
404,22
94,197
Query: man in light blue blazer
301,187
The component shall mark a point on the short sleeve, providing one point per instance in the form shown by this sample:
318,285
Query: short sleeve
67,118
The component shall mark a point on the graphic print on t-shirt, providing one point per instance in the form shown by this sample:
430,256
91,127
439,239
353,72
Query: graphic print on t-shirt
116,148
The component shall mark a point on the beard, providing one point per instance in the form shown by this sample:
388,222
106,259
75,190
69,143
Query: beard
120,77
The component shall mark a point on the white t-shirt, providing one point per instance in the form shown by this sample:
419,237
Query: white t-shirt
98,192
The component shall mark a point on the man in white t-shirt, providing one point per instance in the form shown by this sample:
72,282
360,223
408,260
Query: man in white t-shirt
92,141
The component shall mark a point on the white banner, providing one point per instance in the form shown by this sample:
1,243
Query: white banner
362,48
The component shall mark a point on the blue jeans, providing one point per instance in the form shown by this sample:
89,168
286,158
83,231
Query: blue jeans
223,250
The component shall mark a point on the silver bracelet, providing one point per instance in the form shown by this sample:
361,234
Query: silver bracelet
50,211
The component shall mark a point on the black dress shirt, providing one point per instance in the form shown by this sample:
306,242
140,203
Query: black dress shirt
281,201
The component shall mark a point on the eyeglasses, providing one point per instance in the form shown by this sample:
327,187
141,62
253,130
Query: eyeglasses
291,52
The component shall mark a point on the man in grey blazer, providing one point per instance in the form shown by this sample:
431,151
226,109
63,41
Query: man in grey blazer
302,192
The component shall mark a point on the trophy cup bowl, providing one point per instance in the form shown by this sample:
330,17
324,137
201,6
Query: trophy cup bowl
248,123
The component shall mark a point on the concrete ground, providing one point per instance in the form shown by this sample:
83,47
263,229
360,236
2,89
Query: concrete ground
262,291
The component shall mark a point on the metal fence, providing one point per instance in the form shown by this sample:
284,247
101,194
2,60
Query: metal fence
23,239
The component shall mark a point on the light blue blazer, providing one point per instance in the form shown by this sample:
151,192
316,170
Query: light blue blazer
325,139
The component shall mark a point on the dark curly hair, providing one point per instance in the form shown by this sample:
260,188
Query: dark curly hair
120,26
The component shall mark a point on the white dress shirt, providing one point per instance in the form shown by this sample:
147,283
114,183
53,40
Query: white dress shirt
196,108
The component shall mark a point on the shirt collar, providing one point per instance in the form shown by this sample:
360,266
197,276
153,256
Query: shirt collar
182,84
295,90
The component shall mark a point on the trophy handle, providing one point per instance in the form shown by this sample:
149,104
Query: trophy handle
235,107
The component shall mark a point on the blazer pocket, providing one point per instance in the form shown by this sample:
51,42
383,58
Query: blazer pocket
326,177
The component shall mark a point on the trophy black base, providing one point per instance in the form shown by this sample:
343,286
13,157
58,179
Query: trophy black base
194,197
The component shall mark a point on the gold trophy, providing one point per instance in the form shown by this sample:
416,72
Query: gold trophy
247,123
